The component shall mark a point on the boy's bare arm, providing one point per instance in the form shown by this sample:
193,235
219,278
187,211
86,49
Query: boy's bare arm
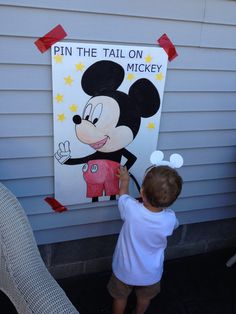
124,180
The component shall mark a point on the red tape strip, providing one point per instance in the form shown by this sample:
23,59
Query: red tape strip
45,42
167,45
56,206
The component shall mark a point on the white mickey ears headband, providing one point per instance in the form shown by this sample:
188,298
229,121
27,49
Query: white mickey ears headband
176,160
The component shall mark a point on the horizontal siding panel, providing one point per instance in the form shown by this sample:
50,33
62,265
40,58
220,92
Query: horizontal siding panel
208,187
26,168
113,227
22,101
204,59
223,12
25,147
198,114
198,101
34,101
25,77
198,139
181,9
195,58
77,232
75,218
31,77
37,205
32,187
25,125
197,121
205,156
216,213
41,167
207,11
214,35
21,50
205,202
181,32
206,172
204,81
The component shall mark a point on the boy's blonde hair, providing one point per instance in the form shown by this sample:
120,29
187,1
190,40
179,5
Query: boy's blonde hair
161,186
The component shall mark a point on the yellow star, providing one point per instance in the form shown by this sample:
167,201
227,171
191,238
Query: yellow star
61,117
159,76
58,58
148,58
79,66
59,98
130,76
151,125
68,80
73,108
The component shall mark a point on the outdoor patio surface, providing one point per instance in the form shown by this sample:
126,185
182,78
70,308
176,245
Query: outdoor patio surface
200,284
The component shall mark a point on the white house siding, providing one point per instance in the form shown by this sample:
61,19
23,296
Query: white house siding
199,109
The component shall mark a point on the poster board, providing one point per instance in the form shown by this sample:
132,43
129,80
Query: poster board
71,96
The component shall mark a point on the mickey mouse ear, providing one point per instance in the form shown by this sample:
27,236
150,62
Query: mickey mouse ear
176,161
156,157
102,76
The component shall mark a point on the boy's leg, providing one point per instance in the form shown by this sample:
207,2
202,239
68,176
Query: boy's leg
142,305
120,292
144,295
119,306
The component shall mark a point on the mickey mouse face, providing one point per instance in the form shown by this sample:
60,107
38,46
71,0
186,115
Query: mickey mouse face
98,125
111,118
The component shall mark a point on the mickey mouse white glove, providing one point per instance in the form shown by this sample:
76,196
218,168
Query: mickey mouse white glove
63,152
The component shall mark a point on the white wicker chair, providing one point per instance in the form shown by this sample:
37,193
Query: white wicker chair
24,277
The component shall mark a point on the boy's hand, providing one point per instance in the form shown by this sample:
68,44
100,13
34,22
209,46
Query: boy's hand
124,177
123,174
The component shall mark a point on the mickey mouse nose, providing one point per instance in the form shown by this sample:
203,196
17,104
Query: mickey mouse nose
77,119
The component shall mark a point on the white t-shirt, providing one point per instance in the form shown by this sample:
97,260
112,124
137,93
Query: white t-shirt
139,254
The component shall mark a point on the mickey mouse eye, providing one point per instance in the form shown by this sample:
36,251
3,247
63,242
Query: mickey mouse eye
87,112
96,113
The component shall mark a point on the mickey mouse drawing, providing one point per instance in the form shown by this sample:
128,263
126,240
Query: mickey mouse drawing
110,121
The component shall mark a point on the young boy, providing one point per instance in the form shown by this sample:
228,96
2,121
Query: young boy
139,254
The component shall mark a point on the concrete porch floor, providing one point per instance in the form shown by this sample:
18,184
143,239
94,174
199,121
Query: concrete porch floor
200,284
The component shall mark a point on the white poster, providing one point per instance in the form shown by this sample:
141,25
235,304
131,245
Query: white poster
106,109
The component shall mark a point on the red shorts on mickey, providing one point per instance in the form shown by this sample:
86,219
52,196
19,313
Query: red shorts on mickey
101,177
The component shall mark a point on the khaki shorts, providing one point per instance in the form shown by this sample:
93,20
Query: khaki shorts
120,290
